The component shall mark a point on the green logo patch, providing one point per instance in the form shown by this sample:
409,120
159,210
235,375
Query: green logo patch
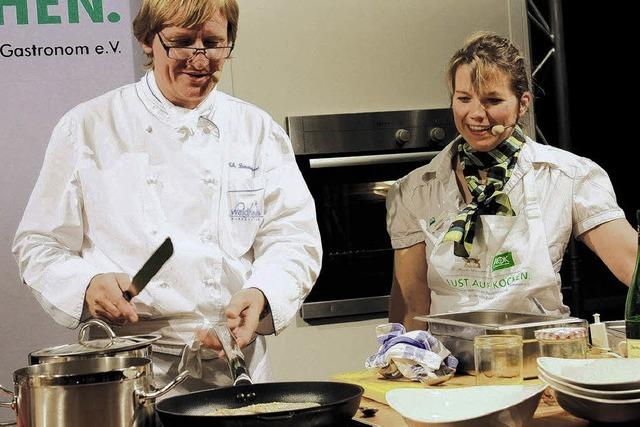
501,261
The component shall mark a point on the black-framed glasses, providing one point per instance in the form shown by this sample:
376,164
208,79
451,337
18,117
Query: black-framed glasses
183,53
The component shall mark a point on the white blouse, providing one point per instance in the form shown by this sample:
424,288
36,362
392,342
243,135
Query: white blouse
575,195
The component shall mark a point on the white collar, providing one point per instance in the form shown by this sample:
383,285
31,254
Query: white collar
440,165
173,114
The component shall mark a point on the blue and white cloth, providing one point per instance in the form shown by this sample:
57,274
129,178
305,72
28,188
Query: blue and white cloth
416,355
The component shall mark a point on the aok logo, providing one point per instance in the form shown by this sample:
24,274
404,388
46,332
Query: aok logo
501,261
51,12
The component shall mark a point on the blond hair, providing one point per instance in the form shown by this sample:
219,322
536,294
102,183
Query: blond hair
154,15
486,53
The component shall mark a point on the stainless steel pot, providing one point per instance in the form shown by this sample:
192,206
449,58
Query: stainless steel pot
105,391
87,348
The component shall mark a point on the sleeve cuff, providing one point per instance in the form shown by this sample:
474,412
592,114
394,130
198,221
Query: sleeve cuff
63,295
407,241
595,220
282,294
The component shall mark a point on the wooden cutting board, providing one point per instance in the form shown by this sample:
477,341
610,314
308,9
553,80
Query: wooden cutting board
376,387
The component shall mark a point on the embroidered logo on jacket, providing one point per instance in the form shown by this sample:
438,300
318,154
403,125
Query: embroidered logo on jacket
242,212
243,166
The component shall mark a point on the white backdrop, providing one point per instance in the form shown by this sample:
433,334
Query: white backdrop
48,64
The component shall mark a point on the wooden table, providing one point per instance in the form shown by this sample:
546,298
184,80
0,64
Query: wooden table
548,414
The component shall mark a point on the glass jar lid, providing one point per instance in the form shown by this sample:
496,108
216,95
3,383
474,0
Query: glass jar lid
555,334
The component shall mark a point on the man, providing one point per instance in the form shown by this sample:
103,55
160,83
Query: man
172,156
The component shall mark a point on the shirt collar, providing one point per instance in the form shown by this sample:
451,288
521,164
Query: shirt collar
172,114
441,165
532,153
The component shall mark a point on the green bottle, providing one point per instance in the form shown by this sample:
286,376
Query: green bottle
632,307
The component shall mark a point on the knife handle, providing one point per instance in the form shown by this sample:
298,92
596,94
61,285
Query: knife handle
127,295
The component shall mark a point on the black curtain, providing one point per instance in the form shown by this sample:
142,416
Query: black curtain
604,101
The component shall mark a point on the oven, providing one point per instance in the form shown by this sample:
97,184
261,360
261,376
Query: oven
349,161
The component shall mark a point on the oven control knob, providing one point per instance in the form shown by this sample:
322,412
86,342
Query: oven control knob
402,136
437,134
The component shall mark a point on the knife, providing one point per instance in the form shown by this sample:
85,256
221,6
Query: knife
150,268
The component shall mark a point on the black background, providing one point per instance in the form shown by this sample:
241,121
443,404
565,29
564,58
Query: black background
602,78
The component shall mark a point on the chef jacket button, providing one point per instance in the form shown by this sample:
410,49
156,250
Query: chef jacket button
209,180
207,131
151,180
163,285
209,282
206,236
149,129
153,231
185,131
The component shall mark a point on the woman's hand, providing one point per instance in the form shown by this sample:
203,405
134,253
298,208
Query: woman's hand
104,298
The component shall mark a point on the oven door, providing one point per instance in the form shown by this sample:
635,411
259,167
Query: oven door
350,194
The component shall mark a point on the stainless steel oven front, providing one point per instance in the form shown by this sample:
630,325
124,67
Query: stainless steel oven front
349,161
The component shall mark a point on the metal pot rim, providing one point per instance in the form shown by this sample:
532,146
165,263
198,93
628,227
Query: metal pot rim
86,371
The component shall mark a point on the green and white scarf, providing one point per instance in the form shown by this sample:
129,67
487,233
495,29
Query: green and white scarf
489,198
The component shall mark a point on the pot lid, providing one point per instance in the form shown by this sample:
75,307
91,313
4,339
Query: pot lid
101,346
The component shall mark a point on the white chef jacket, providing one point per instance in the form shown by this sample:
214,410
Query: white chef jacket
127,169
574,194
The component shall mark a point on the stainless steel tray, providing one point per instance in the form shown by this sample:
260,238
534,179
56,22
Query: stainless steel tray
457,330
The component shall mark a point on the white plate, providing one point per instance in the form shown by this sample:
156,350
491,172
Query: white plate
602,394
594,409
506,405
596,374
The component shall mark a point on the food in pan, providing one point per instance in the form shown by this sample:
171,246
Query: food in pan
263,408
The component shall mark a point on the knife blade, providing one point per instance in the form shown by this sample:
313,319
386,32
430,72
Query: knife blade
150,268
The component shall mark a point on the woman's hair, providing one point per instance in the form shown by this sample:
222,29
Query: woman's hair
157,14
486,53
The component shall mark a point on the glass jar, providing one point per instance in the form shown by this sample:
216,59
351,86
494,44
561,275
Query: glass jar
498,359
565,343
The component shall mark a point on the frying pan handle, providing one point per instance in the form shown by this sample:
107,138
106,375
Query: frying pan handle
241,377
10,405
235,358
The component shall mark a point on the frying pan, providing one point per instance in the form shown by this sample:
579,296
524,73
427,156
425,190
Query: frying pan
338,401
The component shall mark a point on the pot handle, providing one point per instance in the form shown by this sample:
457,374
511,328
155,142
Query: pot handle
82,335
10,405
143,397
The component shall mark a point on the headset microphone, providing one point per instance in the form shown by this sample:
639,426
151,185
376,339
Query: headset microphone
498,129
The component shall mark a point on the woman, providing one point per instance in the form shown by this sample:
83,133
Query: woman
486,223
172,156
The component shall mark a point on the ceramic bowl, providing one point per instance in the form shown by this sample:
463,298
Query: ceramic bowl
594,374
503,405
602,394
599,410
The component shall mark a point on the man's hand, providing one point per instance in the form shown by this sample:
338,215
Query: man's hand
243,314
104,298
